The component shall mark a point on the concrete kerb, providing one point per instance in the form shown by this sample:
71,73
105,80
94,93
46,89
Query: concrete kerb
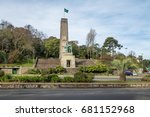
72,85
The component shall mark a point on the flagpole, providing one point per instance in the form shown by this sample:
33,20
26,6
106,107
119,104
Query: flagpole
64,14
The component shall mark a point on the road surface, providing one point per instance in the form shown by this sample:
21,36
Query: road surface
76,94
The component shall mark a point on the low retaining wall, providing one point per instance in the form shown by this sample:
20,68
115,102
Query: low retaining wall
71,85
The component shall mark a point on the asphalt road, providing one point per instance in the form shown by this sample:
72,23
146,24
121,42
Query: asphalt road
76,94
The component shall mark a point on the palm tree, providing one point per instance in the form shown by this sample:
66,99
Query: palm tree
121,65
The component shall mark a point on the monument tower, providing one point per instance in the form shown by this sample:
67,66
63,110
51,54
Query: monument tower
67,59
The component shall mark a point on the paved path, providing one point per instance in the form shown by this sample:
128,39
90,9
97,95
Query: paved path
76,94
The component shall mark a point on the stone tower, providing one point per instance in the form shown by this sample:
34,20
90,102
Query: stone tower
63,35
66,57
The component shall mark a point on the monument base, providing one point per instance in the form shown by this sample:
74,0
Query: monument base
68,60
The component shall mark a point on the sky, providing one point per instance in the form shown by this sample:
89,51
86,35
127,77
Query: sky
128,21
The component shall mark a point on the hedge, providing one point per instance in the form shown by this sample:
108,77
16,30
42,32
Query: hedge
78,77
83,77
58,69
101,68
2,73
146,78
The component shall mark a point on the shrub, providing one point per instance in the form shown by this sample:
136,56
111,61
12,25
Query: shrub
68,79
2,73
34,71
58,69
44,72
51,70
6,78
101,68
27,79
83,77
55,78
51,78
146,78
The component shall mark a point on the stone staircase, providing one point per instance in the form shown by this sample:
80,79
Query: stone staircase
84,62
47,63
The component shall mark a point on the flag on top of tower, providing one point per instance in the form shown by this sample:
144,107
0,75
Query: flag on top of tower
66,10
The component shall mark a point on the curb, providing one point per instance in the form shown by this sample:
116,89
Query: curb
70,85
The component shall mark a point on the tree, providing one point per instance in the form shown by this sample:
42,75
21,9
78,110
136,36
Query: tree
20,43
3,57
146,64
110,45
5,25
90,40
51,46
121,65
75,48
35,33
83,52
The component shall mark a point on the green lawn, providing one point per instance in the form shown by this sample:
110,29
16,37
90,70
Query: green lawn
17,65
121,82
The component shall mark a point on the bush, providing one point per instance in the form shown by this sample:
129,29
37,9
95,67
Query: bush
146,78
2,73
34,71
101,68
27,79
55,78
44,72
52,78
68,79
6,78
83,77
58,69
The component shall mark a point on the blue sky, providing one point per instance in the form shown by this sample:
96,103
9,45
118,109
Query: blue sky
126,20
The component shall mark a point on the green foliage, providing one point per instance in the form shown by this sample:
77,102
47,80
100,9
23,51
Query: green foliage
146,78
19,44
68,79
110,45
34,71
78,77
51,46
6,78
56,79
44,72
27,79
2,73
3,57
100,68
52,78
146,64
58,69
83,77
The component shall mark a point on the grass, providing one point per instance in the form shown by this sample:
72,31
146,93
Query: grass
121,82
17,65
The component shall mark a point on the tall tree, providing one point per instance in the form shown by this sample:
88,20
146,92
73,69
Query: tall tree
51,46
90,41
110,45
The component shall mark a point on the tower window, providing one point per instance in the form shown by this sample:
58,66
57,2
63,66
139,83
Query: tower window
68,63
